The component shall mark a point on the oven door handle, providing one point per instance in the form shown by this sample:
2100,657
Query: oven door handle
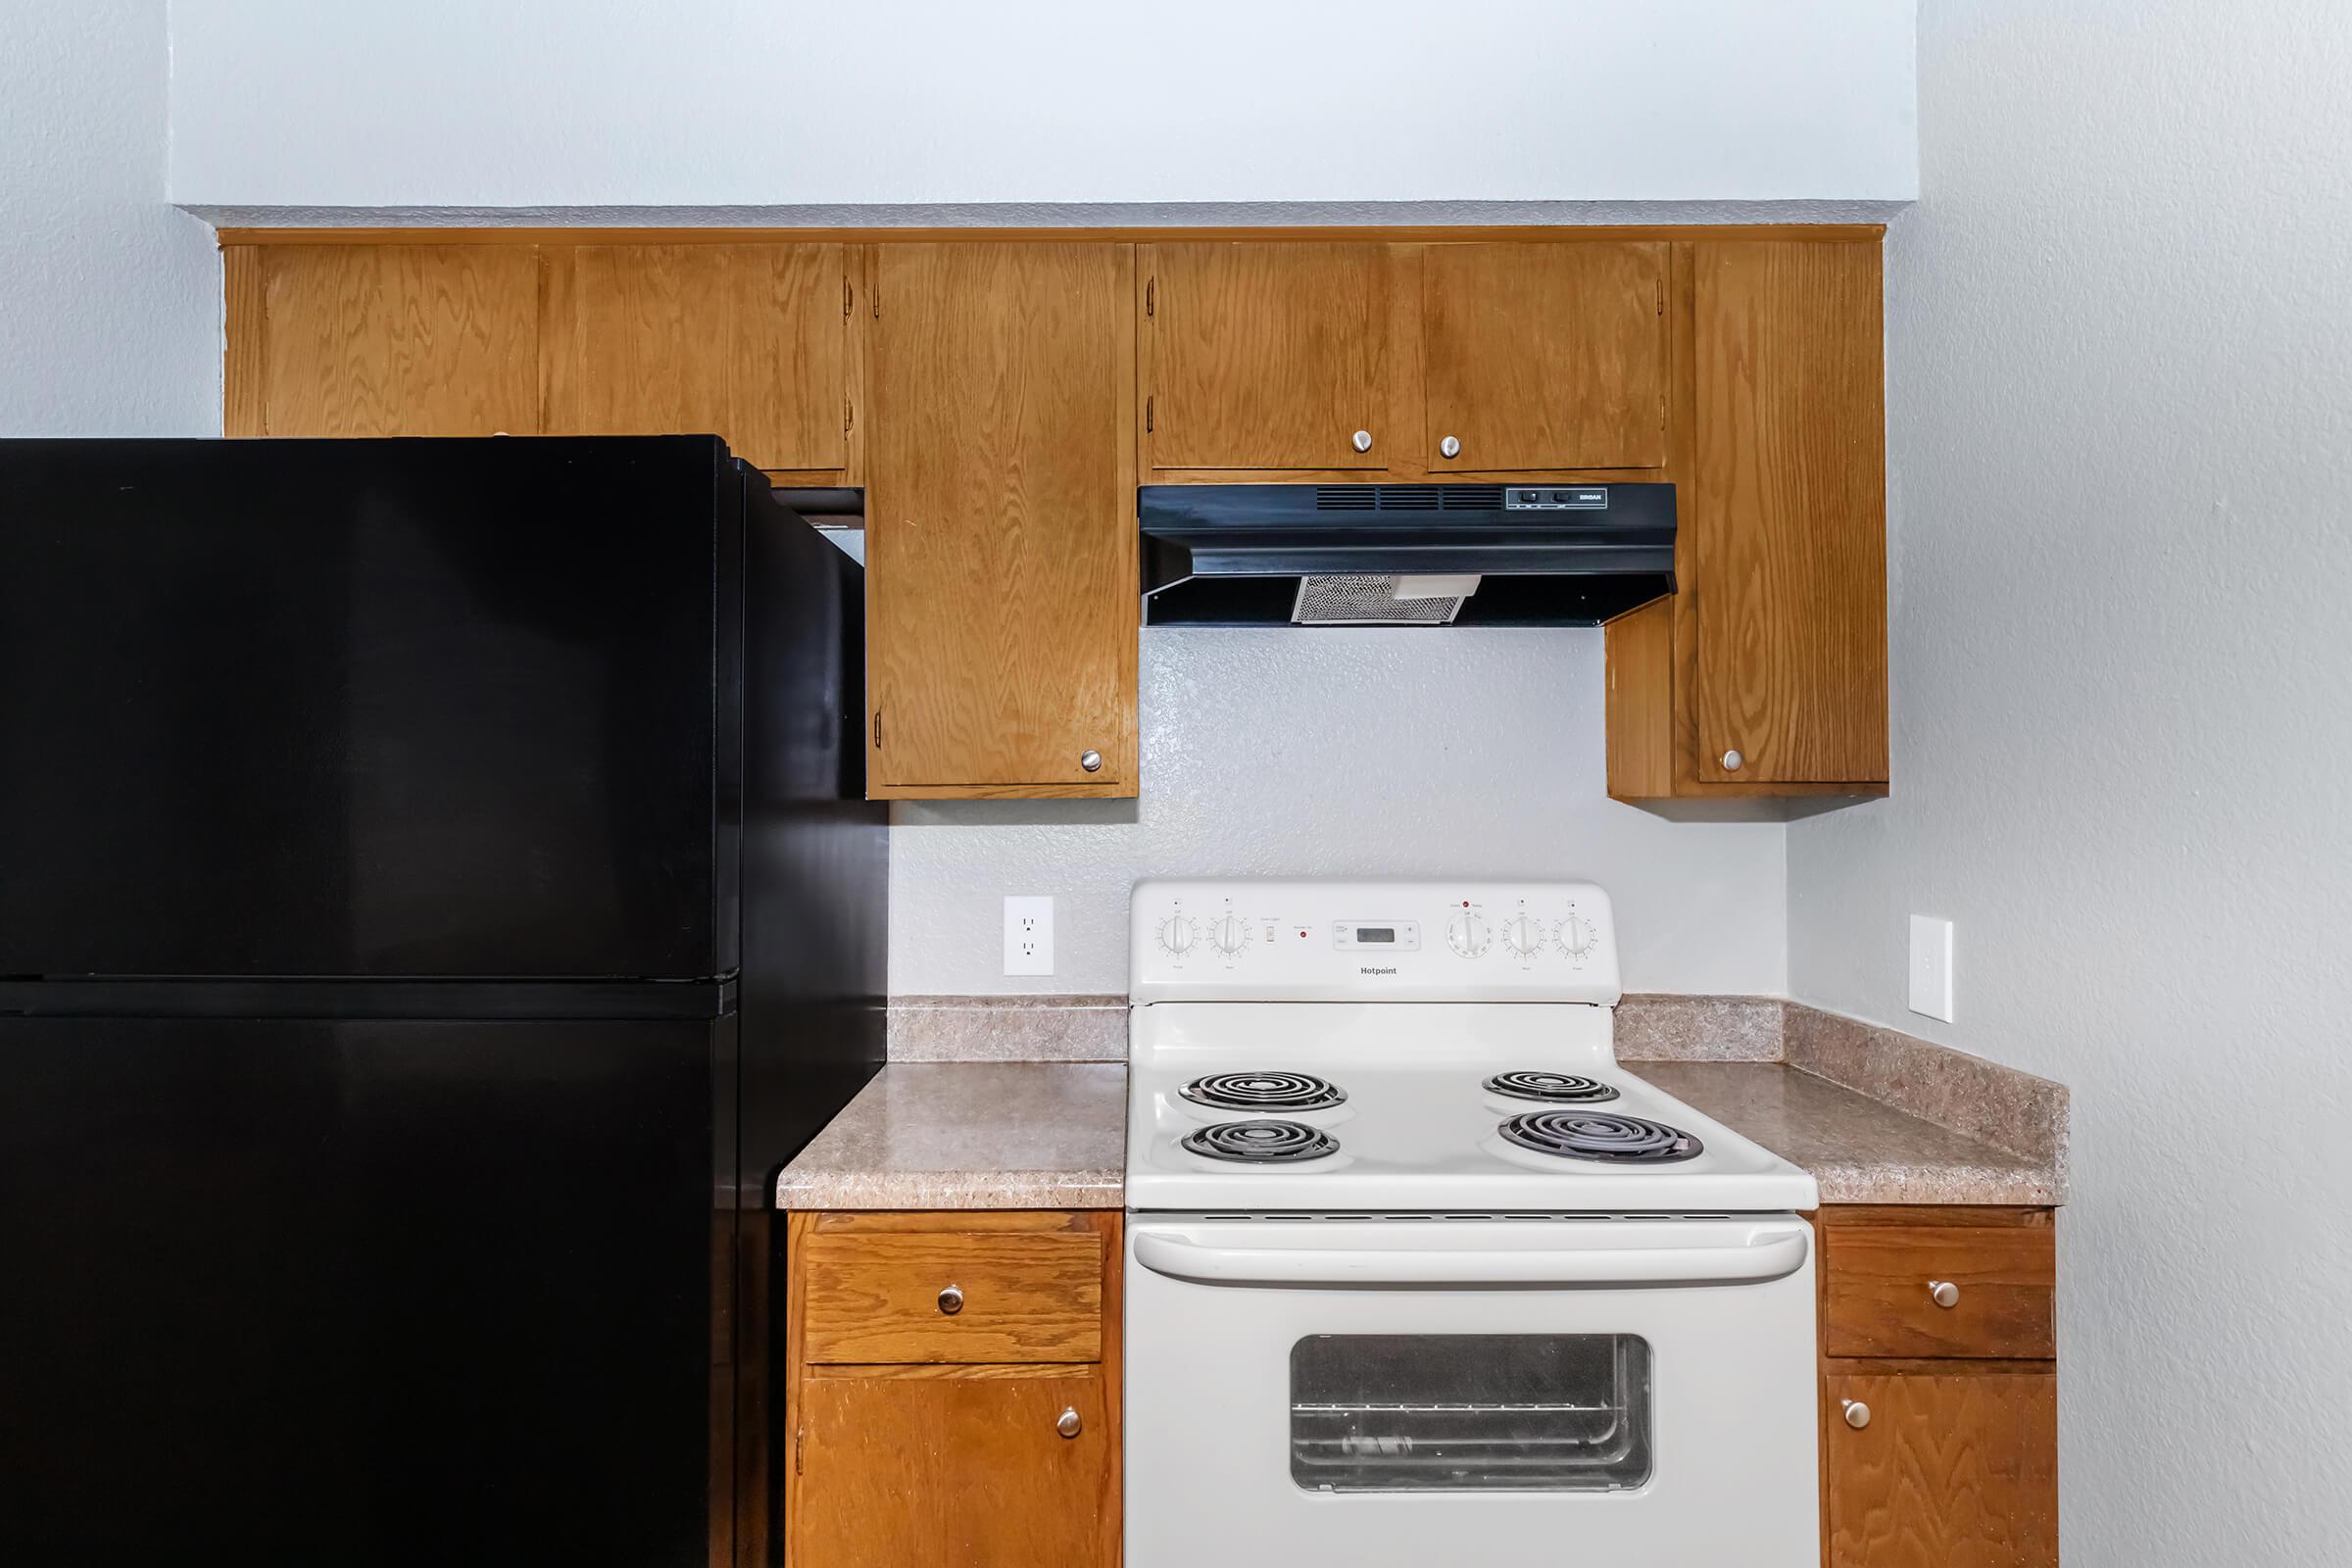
1755,1261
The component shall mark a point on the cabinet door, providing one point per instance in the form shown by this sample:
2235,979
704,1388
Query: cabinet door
1001,535
747,342
1954,1470
1271,356
970,1470
366,340
1546,356
1788,513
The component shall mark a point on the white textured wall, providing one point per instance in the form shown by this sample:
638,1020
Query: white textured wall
2120,405
110,299
816,103
1333,752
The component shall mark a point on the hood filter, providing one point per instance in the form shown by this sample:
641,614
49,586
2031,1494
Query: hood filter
1397,601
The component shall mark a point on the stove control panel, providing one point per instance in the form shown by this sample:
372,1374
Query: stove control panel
1348,941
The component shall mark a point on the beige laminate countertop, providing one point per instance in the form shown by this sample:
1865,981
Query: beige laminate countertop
971,1135
1052,1135
1859,1150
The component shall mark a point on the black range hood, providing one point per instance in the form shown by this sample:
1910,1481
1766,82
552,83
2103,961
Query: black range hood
1403,555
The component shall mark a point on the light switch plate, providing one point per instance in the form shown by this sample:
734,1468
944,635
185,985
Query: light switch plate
1932,966
1028,934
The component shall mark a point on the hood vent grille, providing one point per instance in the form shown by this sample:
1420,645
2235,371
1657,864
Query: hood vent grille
1408,498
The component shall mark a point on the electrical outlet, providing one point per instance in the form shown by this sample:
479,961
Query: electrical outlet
1932,966
1028,935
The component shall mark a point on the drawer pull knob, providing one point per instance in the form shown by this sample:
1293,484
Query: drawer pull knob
1091,760
950,1299
1944,1293
1361,441
1069,1425
1857,1414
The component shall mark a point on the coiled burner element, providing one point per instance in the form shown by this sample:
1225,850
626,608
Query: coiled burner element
1560,1087
1264,1091
1262,1143
1596,1135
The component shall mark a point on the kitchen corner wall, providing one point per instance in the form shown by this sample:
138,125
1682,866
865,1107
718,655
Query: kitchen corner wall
2120,453
110,298
1290,752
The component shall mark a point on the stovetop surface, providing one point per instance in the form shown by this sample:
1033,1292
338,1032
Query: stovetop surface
1417,1132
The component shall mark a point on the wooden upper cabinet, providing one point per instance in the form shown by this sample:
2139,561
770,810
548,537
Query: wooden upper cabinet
1949,1468
1001,535
1544,355
1787,513
1271,356
748,342
370,340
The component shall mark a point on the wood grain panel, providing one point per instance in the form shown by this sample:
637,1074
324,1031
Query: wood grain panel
966,1472
1639,714
747,342
398,340
1027,1297
1271,356
1544,355
1514,233
1878,1300
1957,1471
1790,512
244,368
1001,535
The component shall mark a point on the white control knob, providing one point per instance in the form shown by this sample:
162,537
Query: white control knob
1177,935
1576,935
1230,935
1523,934
1466,934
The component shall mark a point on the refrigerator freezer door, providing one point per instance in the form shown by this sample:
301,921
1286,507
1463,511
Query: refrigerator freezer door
371,1292
368,709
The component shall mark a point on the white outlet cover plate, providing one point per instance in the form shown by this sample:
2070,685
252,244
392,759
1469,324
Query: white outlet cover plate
1028,934
1932,966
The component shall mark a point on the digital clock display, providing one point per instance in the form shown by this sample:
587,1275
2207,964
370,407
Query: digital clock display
1374,933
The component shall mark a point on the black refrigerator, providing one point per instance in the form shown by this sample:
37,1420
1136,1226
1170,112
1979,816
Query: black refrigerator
436,896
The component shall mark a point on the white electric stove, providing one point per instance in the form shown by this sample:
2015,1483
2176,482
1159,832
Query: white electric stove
1416,1272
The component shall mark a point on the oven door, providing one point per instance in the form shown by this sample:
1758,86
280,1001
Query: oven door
1375,1390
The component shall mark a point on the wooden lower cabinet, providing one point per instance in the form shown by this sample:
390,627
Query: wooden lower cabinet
962,1466
1950,1458
1955,1469
952,1389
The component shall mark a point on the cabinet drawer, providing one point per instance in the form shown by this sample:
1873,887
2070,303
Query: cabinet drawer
1882,1297
952,1296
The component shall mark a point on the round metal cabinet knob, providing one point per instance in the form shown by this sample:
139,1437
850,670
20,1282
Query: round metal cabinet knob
950,1299
1069,1425
1361,441
1450,447
1091,761
1945,1292
1732,760
1857,1414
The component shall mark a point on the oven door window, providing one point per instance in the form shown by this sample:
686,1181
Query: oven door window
1470,1412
